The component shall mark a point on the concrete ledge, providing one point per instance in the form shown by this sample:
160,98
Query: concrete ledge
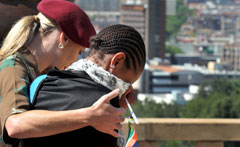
151,129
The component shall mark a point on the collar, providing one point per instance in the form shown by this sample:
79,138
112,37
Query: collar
29,61
100,76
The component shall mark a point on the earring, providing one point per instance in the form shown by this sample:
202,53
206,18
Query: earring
113,66
60,45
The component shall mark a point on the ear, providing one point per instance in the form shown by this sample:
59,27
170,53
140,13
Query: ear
117,61
62,38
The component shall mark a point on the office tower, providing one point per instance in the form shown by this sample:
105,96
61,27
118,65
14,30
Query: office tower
148,17
99,5
101,12
171,7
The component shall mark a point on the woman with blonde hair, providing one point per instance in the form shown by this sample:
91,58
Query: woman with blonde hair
54,37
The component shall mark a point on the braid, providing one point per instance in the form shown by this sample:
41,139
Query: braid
120,38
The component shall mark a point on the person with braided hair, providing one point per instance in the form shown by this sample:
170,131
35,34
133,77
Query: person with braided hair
54,37
115,60
125,47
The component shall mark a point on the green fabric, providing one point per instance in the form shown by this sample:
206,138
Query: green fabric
1,140
21,88
131,131
8,62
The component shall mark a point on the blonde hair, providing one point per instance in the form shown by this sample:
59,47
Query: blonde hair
22,33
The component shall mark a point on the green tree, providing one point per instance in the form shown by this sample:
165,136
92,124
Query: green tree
174,23
149,108
218,98
173,49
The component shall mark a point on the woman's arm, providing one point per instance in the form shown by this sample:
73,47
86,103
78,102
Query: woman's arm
38,123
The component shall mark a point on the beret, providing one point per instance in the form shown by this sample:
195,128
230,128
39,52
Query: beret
73,21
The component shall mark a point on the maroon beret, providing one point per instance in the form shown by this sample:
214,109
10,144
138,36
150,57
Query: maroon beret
73,21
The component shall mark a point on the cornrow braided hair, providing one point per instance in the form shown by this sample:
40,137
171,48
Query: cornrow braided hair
120,38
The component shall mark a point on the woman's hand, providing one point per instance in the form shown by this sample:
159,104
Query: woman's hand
129,95
104,117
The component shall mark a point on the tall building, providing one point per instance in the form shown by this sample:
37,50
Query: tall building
148,17
101,12
99,5
171,7
134,15
155,26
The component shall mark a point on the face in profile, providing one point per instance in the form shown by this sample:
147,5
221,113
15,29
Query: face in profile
129,75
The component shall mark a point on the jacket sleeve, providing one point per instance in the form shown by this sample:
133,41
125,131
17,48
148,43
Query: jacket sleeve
14,87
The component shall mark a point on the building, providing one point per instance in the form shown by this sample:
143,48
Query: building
171,7
226,1
101,12
168,79
134,15
99,5
148,17
155,28
231,57
177,84
195,1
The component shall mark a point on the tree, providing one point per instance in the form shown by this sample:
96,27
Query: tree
173,49
174,23
149,108
218,98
